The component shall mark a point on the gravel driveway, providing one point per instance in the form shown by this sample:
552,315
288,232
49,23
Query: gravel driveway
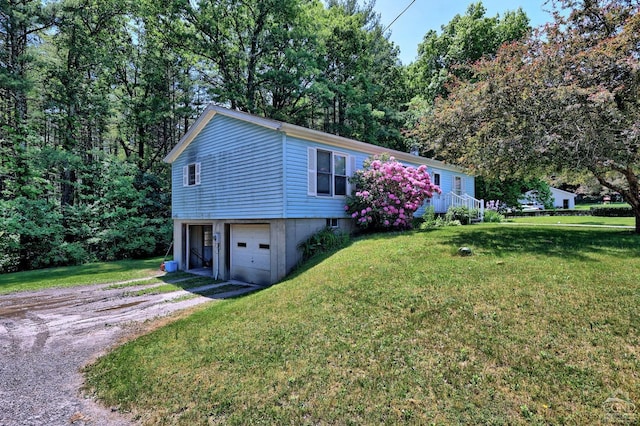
47,336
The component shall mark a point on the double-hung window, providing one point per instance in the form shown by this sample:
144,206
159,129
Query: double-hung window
328,172
191,174
457,185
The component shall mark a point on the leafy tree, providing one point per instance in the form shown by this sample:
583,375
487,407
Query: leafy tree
463,41
75,98
387,194
510,190
153,89
564,100
20,22
253,55
94,92
362,86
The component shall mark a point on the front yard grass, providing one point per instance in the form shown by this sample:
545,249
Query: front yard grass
574,220
70,276
539,326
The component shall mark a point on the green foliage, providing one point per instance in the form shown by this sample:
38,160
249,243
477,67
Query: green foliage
430,220
463,41
518,116
510,190
605,211
492,216
461,214
325,240
119,213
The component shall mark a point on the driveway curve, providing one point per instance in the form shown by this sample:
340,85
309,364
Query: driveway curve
47,336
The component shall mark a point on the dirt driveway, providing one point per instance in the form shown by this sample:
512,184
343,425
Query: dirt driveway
47,336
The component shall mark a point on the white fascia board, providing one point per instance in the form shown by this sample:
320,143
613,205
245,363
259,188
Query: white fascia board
206,117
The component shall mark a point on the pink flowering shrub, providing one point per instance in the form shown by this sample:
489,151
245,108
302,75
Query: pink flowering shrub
388,193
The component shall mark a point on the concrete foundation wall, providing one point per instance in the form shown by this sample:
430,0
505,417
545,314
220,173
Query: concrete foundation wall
285,236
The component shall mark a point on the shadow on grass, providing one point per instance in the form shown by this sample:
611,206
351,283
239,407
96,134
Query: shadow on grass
571,243
206,286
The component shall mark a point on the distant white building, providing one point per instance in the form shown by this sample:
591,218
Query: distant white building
561,199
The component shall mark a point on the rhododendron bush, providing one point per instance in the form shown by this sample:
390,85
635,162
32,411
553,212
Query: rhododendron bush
388,193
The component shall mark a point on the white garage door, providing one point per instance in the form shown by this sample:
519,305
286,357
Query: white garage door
251,254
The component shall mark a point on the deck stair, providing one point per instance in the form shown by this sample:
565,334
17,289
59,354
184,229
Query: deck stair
465,200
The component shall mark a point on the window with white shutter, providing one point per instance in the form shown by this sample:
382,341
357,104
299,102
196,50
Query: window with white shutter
191,174
328,173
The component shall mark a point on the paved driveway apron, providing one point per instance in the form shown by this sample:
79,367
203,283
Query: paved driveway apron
47,336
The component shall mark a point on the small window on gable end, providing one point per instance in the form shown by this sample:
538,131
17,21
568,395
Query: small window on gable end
436,179
191,174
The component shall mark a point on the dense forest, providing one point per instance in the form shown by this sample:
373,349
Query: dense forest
94,94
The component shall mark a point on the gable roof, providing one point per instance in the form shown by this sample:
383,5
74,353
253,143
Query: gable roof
561,191
299,132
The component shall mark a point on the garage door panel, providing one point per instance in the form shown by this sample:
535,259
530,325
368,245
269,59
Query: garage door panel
251,253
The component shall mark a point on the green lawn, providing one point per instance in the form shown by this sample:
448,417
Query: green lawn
588,206
92,273
574,220
540,326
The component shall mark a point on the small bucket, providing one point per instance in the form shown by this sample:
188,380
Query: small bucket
171,266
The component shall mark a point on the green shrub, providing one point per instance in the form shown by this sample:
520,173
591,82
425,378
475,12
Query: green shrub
460,213
323,241
492,216
430,220
612,211
427,220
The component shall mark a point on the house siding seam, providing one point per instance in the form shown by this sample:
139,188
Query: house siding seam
229,188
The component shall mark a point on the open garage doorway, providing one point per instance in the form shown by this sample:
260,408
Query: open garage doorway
199,244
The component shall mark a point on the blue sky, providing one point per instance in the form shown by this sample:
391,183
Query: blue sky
424,15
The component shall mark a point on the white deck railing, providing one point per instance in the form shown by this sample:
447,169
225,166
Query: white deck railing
441,203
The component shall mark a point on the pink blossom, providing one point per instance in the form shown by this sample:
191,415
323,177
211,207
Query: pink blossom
389,193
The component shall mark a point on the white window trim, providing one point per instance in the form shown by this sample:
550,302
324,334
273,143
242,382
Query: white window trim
185,174
453,184
330,222
312,173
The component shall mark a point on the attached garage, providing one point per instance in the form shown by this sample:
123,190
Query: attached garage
251,253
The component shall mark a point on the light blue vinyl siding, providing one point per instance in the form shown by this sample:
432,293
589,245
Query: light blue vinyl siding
446,181
299,204
241,173
252,172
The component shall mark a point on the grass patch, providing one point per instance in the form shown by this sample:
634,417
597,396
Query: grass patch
168,278
70,276
171,287
575,220
222,289
588,206
539,326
